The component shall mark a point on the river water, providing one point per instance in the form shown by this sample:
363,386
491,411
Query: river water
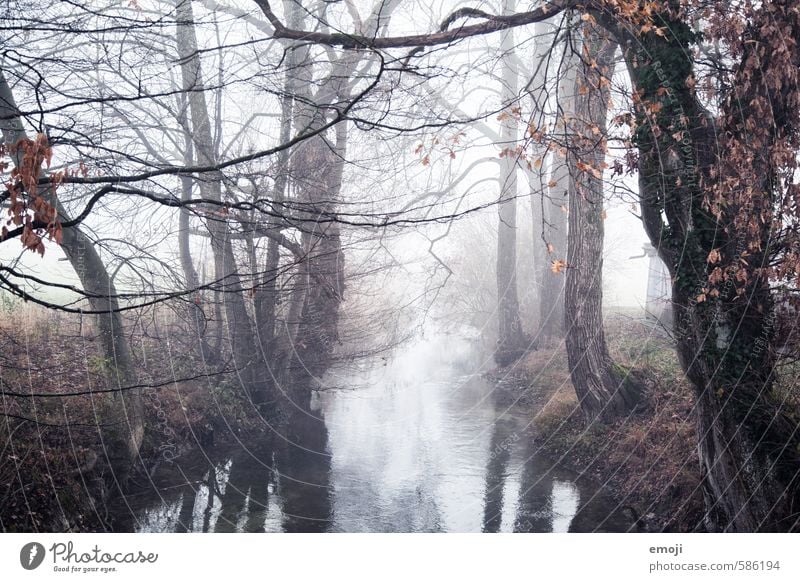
414,442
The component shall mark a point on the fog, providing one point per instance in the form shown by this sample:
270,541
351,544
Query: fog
393,265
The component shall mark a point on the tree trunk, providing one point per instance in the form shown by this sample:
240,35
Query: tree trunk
243,341
323,272
316,170
125,430
511,341
748,443
554,226
555,208
195,313
548,196
604,390
266,299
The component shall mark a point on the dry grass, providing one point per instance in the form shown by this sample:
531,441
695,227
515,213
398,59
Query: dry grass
51,460
647,460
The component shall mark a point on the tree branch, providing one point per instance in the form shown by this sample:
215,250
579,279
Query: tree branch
493,23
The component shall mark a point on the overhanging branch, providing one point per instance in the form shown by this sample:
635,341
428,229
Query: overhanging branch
445,35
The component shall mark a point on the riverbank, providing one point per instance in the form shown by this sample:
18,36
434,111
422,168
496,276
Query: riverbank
54,476
52,465
647,461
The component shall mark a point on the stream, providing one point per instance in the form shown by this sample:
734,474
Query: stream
413,442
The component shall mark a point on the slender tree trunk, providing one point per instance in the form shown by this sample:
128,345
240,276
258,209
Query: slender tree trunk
549,197
195,313
123,437
554,219
604,390
267,297
511,341
537,176
554,226
538,254
243,342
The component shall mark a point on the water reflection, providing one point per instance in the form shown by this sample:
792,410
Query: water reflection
414,443
503,438
303,467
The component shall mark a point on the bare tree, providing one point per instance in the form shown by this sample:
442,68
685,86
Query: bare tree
125,431
243,340
551,210
511,341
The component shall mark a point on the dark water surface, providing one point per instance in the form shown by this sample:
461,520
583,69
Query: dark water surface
414,443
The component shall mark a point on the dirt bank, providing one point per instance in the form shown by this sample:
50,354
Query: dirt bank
647,460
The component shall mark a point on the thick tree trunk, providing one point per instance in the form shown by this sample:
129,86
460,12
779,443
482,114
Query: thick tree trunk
748,443
604,390
266,299
297,103
511,341
311,329
125,429
316,171
323,272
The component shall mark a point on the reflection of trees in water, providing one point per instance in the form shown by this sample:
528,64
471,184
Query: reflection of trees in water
287,475
246,498
293,474
285,484
228,501
535,504
303,466
551,499
500,444
186,514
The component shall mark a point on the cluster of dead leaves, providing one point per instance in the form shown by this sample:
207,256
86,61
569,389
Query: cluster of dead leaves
28,208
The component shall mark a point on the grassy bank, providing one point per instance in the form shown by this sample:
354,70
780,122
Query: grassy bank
647,460
52,465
